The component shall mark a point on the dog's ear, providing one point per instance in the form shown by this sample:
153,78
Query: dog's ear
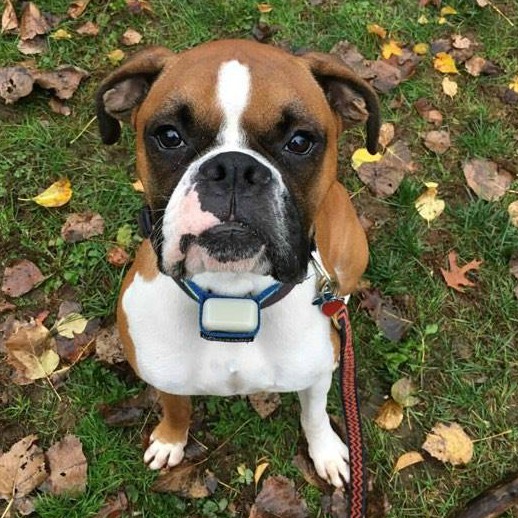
352,98
126,88
340,239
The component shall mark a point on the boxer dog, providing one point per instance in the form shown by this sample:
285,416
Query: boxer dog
237,152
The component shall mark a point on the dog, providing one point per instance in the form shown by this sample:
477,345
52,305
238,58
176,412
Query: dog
236,148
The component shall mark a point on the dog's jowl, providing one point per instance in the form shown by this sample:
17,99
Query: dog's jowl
237,151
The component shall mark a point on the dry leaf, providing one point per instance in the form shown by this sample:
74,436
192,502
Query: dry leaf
449,443
114,506
71,325
306,466
482,3
37,45
390,415
88,29
477,65
9,19
264,8
15,83
58,106
387,132
32,23
391,48
428,112
512,209
437,141
421,48
447,10
408,459
131,37
386,76
108,346
402,392
449,87
185,480
115,56
117,256
130,412
68,467
444,63
57,195
64,80
455,277
77,8
139,6
374,28
259,471
265,403
61,34
461,42
428,205
513,85
22,469
137,186
82,226
422,20
20,278
489,181
362,156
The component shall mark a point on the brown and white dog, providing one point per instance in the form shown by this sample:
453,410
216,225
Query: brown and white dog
237,153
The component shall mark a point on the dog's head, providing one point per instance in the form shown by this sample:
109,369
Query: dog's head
236,149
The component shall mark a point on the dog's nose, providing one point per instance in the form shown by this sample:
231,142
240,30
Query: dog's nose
235,171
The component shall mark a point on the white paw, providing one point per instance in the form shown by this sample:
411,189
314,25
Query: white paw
160,454
330,456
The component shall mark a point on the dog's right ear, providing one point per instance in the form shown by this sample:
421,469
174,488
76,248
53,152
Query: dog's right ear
126,88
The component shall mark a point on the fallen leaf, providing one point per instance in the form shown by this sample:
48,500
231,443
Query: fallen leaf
5,307
37,45
442,20
512,209
139,6
259,471
22,468
437,141
129,412
440,45
390,415
61,34
423,20
406,63
88,29
449,443
71,325
444,63
32,22
20,278
306,466
131,37
386,76
9,19
264,8
402,392
447,10
387,132
391,48
428,205
513,266
352,57
278,497
513,85
461,42
449,87
185,480
124,236
487,180
64,80
59,107
57,195
477,65
137,186
384,175
77,8
362,156
108,346
68,467
421,48
115,56
263,32
265,403
482,3
117,256
15,83
374,28
455,277
428,112
114,506
82,226
407,459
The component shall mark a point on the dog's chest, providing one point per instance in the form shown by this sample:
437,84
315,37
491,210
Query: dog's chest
291,351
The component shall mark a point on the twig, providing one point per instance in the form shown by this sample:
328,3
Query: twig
493,6
492,436
88,124
9,505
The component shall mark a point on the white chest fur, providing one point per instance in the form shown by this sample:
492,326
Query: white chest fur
292,350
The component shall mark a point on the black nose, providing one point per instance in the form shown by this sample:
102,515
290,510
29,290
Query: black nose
235,171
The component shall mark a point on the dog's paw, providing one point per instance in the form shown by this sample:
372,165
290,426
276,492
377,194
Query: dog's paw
160,454
330,457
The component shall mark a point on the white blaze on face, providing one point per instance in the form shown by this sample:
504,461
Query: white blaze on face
233,94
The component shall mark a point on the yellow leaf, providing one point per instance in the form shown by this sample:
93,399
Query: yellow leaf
264,8
444,63
49,361
137,185
259,470
61,34
57,195
442,20
115,56
408,459
374,28
421,48
390,415
422,20
513,213
514,84
428,205
449,443
391,48
449,87
362,156
73,323
447,10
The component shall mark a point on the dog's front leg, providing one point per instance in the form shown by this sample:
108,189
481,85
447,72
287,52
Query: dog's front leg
170,436
330,455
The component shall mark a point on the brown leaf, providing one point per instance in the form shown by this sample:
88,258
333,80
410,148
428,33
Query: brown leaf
408,459
82,226
33,23
387,132
64,80
139,6
264,32
22,468
6,306
478,65
456,277
440,45
390,415
88,29
278,498
37,45
77,8
428,112
386,76
307,468
114,506
513,266
403,392
108,346
489,181
58,106
9,19
185,480
449,87
437,141
449,443
350,55
512,210
265,403
20,278
384,176
81,345
129,412
117,256
131,37
15,83
406,63
461,42
68,467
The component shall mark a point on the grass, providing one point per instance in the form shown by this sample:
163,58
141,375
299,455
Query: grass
468,374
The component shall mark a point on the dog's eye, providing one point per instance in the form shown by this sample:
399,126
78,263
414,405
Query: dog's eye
300,144
168,137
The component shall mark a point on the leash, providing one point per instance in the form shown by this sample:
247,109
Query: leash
335,307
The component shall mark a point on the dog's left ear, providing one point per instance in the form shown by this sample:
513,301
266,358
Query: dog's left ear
352,98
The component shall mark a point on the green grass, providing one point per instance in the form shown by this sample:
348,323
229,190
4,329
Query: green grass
466,371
